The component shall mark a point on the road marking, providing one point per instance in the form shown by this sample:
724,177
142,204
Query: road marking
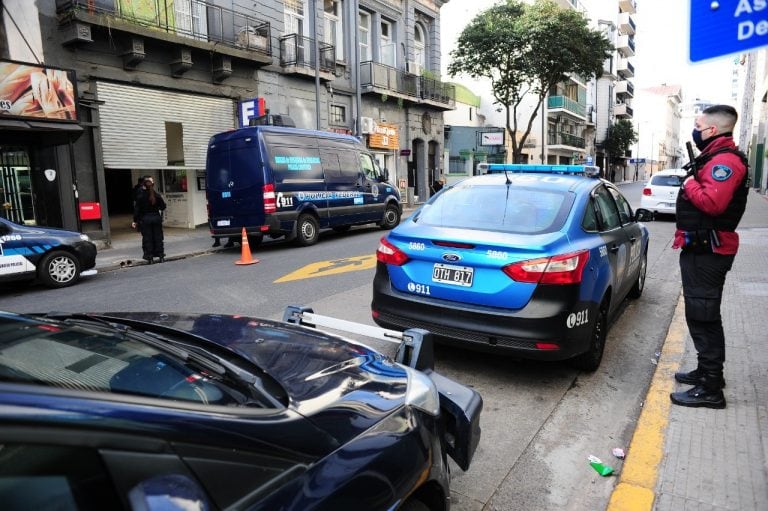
332,267
637,483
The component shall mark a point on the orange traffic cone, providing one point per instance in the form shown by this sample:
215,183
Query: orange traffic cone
245,255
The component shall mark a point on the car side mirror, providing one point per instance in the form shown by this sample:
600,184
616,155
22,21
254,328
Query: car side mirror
170,491
644,215
384,176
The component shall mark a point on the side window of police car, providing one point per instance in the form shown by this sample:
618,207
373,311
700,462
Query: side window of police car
608,215
625,210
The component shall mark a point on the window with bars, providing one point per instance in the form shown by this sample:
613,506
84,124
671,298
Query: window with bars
338,115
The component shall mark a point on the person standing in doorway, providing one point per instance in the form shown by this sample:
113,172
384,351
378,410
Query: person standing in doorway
710,205
147,216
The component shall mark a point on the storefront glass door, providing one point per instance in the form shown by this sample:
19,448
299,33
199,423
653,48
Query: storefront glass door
16,200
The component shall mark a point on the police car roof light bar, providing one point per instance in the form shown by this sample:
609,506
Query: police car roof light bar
585,170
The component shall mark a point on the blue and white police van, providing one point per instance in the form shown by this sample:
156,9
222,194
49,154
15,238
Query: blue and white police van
286,182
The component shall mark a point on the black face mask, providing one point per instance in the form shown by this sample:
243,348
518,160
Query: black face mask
700,144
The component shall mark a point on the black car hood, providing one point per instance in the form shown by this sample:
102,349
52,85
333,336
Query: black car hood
342,386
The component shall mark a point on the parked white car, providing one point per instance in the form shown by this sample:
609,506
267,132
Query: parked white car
660,192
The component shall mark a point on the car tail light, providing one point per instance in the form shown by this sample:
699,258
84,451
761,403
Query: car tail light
270,204
647,191
387,253
549,346
561,269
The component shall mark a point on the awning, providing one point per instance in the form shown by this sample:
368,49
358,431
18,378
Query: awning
45,133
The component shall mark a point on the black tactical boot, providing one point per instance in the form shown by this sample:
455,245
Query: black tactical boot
695,377
699,396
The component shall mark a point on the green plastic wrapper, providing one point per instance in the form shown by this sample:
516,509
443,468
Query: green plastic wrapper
599,466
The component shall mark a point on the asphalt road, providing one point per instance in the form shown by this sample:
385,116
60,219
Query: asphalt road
540,421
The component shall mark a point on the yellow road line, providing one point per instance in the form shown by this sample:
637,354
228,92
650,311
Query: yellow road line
332,267
637,483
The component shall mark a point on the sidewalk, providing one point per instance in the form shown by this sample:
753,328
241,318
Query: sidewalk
180,243
698,458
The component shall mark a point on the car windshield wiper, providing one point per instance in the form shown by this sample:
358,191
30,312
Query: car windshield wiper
219,364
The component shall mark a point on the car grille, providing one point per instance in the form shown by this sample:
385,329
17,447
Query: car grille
458,333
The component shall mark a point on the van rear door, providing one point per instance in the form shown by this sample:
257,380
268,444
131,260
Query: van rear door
234,181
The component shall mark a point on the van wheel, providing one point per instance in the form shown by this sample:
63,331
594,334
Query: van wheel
58,269
590,360
254,240
307,230
391,217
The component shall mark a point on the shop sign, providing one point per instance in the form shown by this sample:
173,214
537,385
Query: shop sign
249,109
37,92
384,136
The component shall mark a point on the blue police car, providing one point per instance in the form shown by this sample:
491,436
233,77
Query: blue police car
530,260
57,258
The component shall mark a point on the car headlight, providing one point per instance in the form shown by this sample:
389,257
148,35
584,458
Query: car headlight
84,237
422,393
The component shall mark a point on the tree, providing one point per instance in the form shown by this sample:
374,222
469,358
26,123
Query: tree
527,49
619,138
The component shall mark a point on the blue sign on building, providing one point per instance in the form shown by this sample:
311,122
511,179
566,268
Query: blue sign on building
723,27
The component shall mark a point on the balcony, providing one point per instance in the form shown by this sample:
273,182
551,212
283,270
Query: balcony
625,44
625,68
192,23
297,56
627,6
622,111
624,89
565,140
566,104
627,24
389,81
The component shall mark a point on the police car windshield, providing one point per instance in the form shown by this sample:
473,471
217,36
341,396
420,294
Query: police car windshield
499,207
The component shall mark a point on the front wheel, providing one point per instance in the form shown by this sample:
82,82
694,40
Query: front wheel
58,269
391,217
637,288
590,360
307,230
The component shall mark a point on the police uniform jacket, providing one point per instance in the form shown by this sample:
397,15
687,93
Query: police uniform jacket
715,199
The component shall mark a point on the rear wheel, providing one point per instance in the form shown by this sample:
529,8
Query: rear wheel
391,217
254,240
637,288
58,269
307,230
590,360
413,505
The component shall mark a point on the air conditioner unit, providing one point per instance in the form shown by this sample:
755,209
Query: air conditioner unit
413,67
367,125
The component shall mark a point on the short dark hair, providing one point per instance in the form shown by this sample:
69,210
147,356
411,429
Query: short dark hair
722,110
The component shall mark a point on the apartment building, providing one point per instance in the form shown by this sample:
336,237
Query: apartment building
153,80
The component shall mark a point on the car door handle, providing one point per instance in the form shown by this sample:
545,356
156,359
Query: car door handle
615,248
632,239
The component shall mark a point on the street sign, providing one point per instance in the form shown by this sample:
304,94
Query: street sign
721,28
636,160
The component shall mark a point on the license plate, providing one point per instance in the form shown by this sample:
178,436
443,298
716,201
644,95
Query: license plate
223,223
454,275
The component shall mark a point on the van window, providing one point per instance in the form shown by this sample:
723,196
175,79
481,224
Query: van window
366,164
234,169
295,163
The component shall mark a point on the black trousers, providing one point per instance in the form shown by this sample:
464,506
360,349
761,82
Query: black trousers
152,236
703,277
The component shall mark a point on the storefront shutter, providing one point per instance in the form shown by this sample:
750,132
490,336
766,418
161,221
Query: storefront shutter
133,125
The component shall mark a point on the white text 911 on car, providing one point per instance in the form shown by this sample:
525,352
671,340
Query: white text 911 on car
529,260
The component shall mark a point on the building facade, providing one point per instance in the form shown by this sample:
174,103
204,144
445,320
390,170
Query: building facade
155,79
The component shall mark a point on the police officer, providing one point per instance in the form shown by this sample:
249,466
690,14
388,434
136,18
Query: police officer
710,204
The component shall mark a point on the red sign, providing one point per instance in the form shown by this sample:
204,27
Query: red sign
38,92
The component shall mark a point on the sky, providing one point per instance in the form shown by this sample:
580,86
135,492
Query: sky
661,47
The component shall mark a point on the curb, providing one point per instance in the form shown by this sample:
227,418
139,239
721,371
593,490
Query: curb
132,263
637,482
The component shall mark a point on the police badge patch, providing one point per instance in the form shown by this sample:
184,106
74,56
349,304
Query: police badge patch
721,172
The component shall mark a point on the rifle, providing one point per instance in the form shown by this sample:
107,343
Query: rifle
692,167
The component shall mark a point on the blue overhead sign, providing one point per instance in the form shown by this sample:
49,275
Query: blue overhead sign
636,160
729,26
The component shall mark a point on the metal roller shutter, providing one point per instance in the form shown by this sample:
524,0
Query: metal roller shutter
133,124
